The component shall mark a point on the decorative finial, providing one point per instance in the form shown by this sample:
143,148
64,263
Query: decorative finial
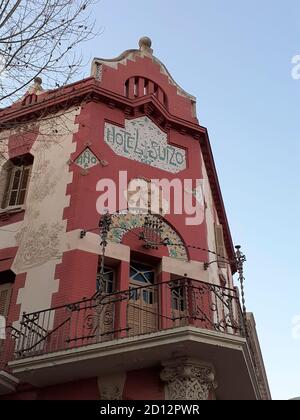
145,44
38,81
36,87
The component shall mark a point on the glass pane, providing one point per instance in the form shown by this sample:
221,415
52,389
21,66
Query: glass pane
139,267
133,295
109,288
149,276
108,285
25,178
139,277
142,274
16,180
13,198
175,303
178,300
21,198
148,296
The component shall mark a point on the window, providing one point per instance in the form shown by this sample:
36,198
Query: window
141,275
178,299
18,185
109,277
17,176
220,246
5,292
137,87
6,280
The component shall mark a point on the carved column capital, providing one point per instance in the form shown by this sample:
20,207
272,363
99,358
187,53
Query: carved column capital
188,379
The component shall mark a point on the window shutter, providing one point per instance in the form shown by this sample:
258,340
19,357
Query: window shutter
5,197
5,293
220,246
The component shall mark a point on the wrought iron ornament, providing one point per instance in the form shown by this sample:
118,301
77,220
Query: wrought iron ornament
240,260
104,225
152,232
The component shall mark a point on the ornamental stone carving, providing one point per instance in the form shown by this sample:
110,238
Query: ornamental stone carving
187,379
43,182
111,386
38,245
127,221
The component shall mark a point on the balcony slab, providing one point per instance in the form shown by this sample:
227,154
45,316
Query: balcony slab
229,354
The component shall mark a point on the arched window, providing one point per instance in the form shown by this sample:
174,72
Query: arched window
16,175
138,86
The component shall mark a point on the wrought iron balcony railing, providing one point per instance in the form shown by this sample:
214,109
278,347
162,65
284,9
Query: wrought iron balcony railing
133,312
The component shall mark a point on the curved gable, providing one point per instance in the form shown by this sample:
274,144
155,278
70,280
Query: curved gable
113,74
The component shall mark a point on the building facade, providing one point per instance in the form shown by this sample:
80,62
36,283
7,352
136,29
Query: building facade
142,305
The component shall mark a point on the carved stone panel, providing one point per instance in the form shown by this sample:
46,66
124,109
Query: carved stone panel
188,379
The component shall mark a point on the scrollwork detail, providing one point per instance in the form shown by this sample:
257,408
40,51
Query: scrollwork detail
188,380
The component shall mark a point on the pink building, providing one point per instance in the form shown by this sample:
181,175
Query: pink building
154,312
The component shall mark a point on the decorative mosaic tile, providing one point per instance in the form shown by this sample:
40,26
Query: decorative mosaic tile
87,159
122,223
141,140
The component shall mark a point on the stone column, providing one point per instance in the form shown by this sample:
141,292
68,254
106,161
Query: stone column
188,379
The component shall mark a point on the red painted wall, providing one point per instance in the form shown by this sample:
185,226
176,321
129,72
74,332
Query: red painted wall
144,384
85,389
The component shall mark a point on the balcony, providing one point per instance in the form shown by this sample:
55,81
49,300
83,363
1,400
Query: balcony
137,328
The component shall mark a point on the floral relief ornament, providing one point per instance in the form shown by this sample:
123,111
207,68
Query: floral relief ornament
111,393
37,246
187,380
43,181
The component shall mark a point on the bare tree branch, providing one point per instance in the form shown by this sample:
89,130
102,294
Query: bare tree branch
41,37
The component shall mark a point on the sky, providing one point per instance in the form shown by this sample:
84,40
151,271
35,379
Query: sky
236,58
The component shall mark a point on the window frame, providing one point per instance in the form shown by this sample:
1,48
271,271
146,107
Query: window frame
7,197
144,290
178,298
